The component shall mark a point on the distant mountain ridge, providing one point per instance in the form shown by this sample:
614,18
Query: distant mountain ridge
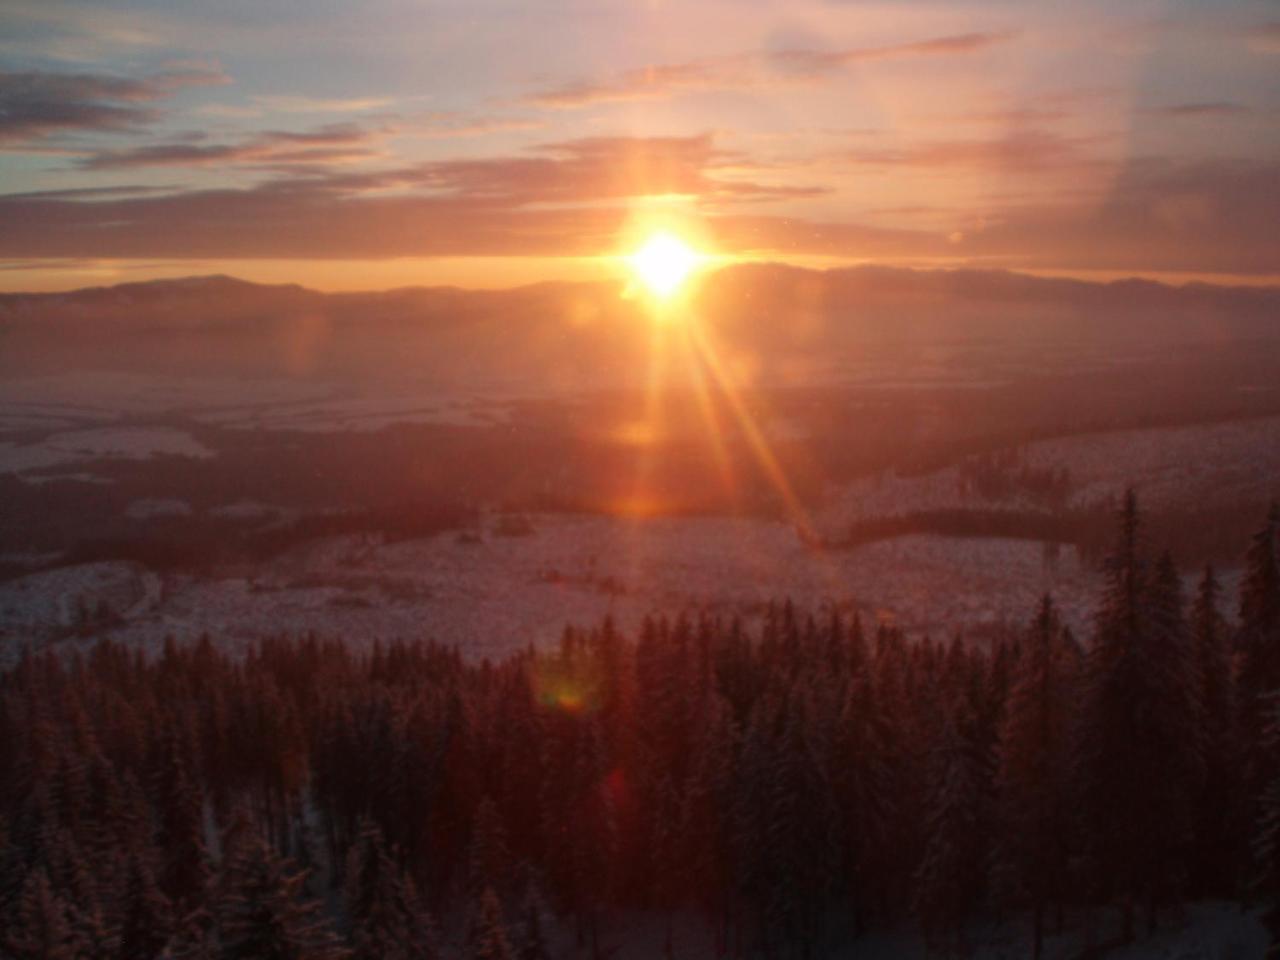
998,284
767,316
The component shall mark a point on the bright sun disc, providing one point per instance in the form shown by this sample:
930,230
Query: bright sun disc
664,263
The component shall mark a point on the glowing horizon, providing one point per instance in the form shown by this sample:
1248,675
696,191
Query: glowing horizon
490,273
481,152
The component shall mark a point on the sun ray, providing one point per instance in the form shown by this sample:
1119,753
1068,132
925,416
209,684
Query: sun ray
798,516
641,493
711,421
756,439
661,266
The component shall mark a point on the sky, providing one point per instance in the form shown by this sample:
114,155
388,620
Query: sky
491,143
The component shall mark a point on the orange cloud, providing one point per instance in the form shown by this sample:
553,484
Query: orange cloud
821,61
1265,37
749,69
1019,152
601,168
574,198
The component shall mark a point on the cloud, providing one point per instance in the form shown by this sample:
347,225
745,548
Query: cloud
88,193
302,104
1264,37
825,61
573,171
598,168
1018,116
448,126
1209,108
749,69
327,144
568,197
1213,216
573,198
34,104
650,83
293,218
1028,151
297,219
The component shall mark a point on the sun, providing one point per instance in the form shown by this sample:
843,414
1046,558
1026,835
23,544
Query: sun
664,263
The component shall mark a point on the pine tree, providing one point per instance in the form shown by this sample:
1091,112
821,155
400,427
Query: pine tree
42,928
1218,808
899,710
703,837
593,840
181,836
1138,750
1173,730
1109,738
668,884
1035,769
386,919
1258,644
863,782
147,919
531,940
1266,847
949,878
489,859
99,937
748,814
261,913
799,839
194,939
487,934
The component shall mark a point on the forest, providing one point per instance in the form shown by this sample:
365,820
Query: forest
795,784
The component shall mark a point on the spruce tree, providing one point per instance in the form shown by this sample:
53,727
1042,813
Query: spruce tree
41,928
195,938
487,933
1266,846
185,870
1037,810
799,837
1174,725
147,918
668,880
1258,644
386,919
593,836
489,859
703,838
1113,796
531,937
262,913
862,780
1139,753
949,878
1219,810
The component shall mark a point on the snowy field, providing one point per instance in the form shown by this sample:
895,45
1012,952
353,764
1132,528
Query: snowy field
61,599
1207,465
1202,465
499,593
494,593
62,402
109,396
77,446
